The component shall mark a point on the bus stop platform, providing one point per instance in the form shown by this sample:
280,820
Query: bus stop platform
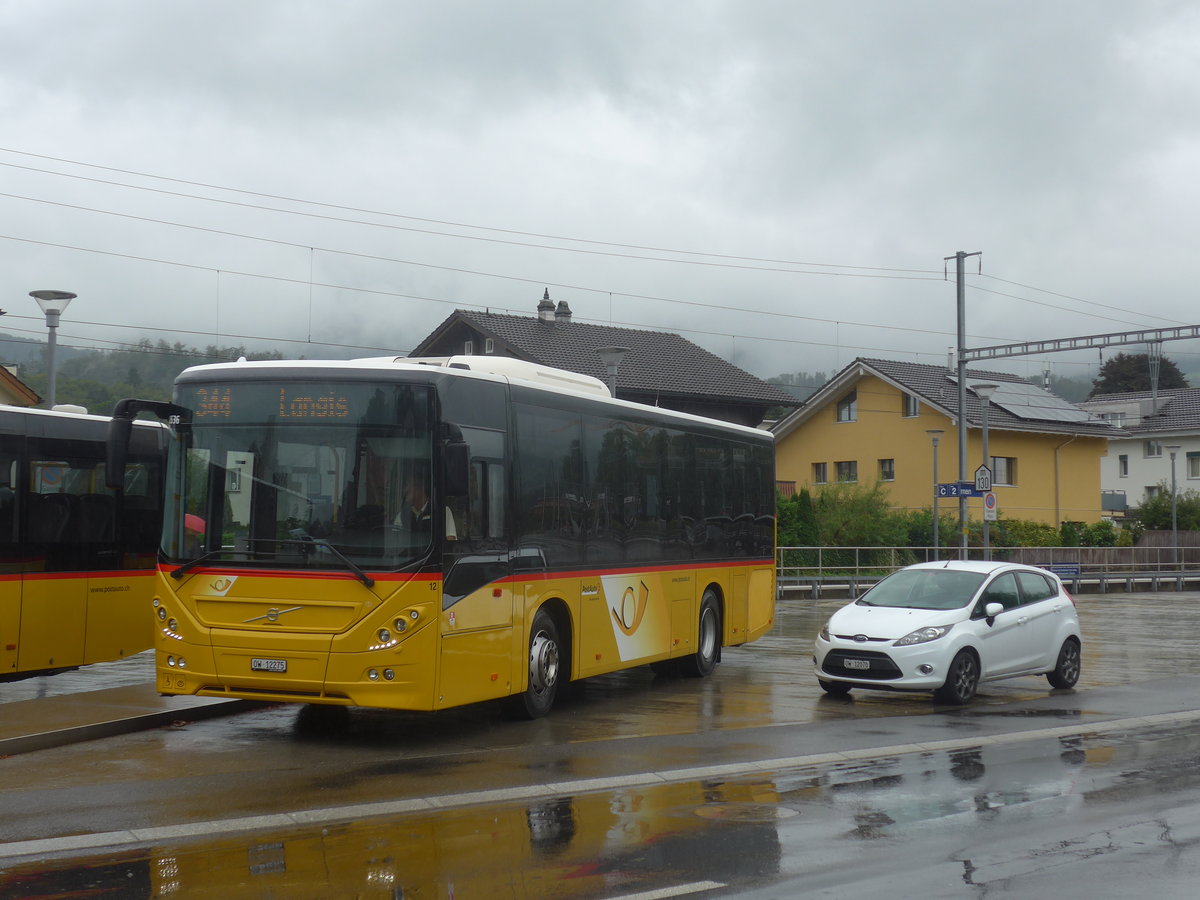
44,722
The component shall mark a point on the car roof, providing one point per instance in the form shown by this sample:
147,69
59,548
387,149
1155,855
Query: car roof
984,567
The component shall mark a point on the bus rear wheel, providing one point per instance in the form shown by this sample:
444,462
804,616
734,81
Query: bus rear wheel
545,669
708,639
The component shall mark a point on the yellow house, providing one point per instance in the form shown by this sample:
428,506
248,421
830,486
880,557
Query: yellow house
877,421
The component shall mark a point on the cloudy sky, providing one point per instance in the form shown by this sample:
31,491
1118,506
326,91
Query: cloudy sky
780,182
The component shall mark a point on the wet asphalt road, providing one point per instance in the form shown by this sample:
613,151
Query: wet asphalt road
754,832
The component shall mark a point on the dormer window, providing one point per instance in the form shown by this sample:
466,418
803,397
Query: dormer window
469,348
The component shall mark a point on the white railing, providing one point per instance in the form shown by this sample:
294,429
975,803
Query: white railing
859,567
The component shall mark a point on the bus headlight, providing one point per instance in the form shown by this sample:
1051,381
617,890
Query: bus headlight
384,636
401,625
172,625
162,612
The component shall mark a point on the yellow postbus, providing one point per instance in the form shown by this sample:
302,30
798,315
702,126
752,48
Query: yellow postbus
77,560
420,534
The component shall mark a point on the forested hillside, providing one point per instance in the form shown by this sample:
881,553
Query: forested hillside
97,379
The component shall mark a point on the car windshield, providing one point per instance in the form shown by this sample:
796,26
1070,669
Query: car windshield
924,589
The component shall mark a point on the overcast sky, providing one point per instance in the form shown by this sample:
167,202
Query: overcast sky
779,182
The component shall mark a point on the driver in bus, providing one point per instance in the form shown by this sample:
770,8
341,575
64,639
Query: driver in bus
415,514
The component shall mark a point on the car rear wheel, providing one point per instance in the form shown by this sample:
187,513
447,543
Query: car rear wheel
961,680
834,688
1066,671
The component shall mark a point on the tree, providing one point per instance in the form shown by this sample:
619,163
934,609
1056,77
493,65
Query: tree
1131,372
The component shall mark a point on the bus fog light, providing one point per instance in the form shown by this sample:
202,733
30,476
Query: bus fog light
384,635
925,668
401,625
388,674
373,674
171,661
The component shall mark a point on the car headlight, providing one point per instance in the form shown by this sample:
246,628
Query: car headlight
823,634
923,635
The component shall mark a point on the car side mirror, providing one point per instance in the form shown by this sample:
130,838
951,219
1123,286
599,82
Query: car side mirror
992,610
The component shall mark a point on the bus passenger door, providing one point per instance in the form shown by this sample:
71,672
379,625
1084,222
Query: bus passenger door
10,561
55,581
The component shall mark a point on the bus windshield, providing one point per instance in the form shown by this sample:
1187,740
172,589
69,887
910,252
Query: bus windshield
302,475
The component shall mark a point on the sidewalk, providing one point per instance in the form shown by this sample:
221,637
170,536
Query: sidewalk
94,702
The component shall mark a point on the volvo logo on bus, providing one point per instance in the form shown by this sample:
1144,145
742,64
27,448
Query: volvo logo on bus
273,614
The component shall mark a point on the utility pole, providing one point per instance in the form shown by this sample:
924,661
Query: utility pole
960,359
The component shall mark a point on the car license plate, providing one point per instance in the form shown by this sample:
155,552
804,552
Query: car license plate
268,665
857,663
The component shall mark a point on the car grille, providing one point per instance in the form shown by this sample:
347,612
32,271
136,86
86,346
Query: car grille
881,666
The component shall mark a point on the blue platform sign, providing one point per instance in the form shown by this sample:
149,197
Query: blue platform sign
958,489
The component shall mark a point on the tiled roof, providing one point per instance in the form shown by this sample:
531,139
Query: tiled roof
659,362
1179,409
937,386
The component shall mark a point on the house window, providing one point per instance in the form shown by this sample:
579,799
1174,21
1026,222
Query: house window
820,473
1123,465
912,406
887,470
1151,449
1117,419
1193,465
847,470
469,348
1004,470
235,480
1153,490
489,345
847,408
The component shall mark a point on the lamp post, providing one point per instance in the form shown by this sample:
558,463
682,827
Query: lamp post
1174,520
611,357
52,303
935,434
984,393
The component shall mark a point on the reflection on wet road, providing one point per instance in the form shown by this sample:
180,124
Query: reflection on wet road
609,843
1023,818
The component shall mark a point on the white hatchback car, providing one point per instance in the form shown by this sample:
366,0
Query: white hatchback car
947,626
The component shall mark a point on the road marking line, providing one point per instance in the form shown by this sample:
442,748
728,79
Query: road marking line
149,836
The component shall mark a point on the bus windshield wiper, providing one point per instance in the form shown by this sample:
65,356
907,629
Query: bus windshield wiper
306,541
193,563
350,564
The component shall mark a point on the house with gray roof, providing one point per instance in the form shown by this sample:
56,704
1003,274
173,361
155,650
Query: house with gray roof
1160,432
658,368
896,423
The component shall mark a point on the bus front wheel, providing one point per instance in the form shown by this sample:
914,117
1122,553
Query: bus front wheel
545,669
708,639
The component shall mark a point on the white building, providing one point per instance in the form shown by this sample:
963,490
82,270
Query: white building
1158,427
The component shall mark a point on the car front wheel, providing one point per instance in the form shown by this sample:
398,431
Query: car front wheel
1066,671
961,681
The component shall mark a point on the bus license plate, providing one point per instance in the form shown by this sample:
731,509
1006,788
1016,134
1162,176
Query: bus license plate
855,663
268,665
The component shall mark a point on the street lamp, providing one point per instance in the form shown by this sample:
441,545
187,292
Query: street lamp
935,434
1174,520
984,393
52,303
611,357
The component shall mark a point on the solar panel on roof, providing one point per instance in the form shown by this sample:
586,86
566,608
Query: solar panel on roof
1027,401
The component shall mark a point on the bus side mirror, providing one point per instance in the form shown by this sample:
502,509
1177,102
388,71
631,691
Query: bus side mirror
456,461
120,427
117,450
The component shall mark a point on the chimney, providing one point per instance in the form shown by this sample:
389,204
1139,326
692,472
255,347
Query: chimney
563,313
546,308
